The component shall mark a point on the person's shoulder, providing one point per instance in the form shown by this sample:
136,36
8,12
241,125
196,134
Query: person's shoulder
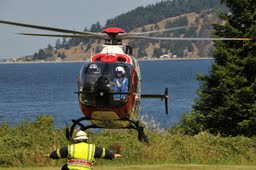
92,144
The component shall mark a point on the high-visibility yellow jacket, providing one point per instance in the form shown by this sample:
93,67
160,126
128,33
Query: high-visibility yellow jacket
81,156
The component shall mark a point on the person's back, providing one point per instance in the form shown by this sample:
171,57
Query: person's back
81,155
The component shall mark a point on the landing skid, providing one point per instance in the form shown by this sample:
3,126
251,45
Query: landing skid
138,125
140,128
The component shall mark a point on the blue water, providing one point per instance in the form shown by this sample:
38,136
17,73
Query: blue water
30,90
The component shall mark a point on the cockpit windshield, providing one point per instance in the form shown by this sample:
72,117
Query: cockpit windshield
104,84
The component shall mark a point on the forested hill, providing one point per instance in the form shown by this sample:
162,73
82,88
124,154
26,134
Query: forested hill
165,14
154,13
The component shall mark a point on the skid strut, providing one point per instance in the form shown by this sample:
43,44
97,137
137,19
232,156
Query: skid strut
140,128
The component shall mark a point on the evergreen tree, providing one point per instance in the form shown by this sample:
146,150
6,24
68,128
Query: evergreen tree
157,52
64,42
50,48
227,96
41,55
58,44
62,55
96,27
141,53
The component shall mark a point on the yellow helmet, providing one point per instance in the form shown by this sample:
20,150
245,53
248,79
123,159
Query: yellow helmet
81,135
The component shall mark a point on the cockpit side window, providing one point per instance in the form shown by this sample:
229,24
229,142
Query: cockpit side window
89,75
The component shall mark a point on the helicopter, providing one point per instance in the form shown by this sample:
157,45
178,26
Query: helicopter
109,85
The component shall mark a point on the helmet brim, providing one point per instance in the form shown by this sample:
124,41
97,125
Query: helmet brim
81,138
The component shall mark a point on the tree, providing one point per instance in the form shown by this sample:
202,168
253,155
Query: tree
50,48
62,55
157,52
64,42
96,27
227,96
141,53
58,44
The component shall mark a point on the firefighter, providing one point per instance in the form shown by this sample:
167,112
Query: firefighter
81,155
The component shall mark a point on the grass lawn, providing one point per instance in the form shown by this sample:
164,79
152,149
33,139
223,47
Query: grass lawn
153,167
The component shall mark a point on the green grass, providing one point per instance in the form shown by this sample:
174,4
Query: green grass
153,167
26,145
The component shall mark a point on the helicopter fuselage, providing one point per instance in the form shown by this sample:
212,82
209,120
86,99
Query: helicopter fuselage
100,98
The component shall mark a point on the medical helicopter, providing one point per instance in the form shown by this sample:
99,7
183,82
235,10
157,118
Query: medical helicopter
109,86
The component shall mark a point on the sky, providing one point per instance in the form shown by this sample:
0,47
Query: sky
67,14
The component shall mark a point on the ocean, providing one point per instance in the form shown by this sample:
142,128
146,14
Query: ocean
30,90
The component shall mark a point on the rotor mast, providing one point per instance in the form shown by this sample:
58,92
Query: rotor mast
113,35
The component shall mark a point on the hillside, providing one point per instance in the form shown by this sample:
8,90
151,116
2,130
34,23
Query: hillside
197,17
181,49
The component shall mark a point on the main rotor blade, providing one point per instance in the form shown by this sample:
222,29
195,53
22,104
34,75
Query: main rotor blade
189,39
66,35
165,30
154,31
48,28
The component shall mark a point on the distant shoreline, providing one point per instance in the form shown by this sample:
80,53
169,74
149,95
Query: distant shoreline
81,61
174,59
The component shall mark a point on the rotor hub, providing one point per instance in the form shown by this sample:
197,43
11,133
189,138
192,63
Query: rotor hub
113,30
